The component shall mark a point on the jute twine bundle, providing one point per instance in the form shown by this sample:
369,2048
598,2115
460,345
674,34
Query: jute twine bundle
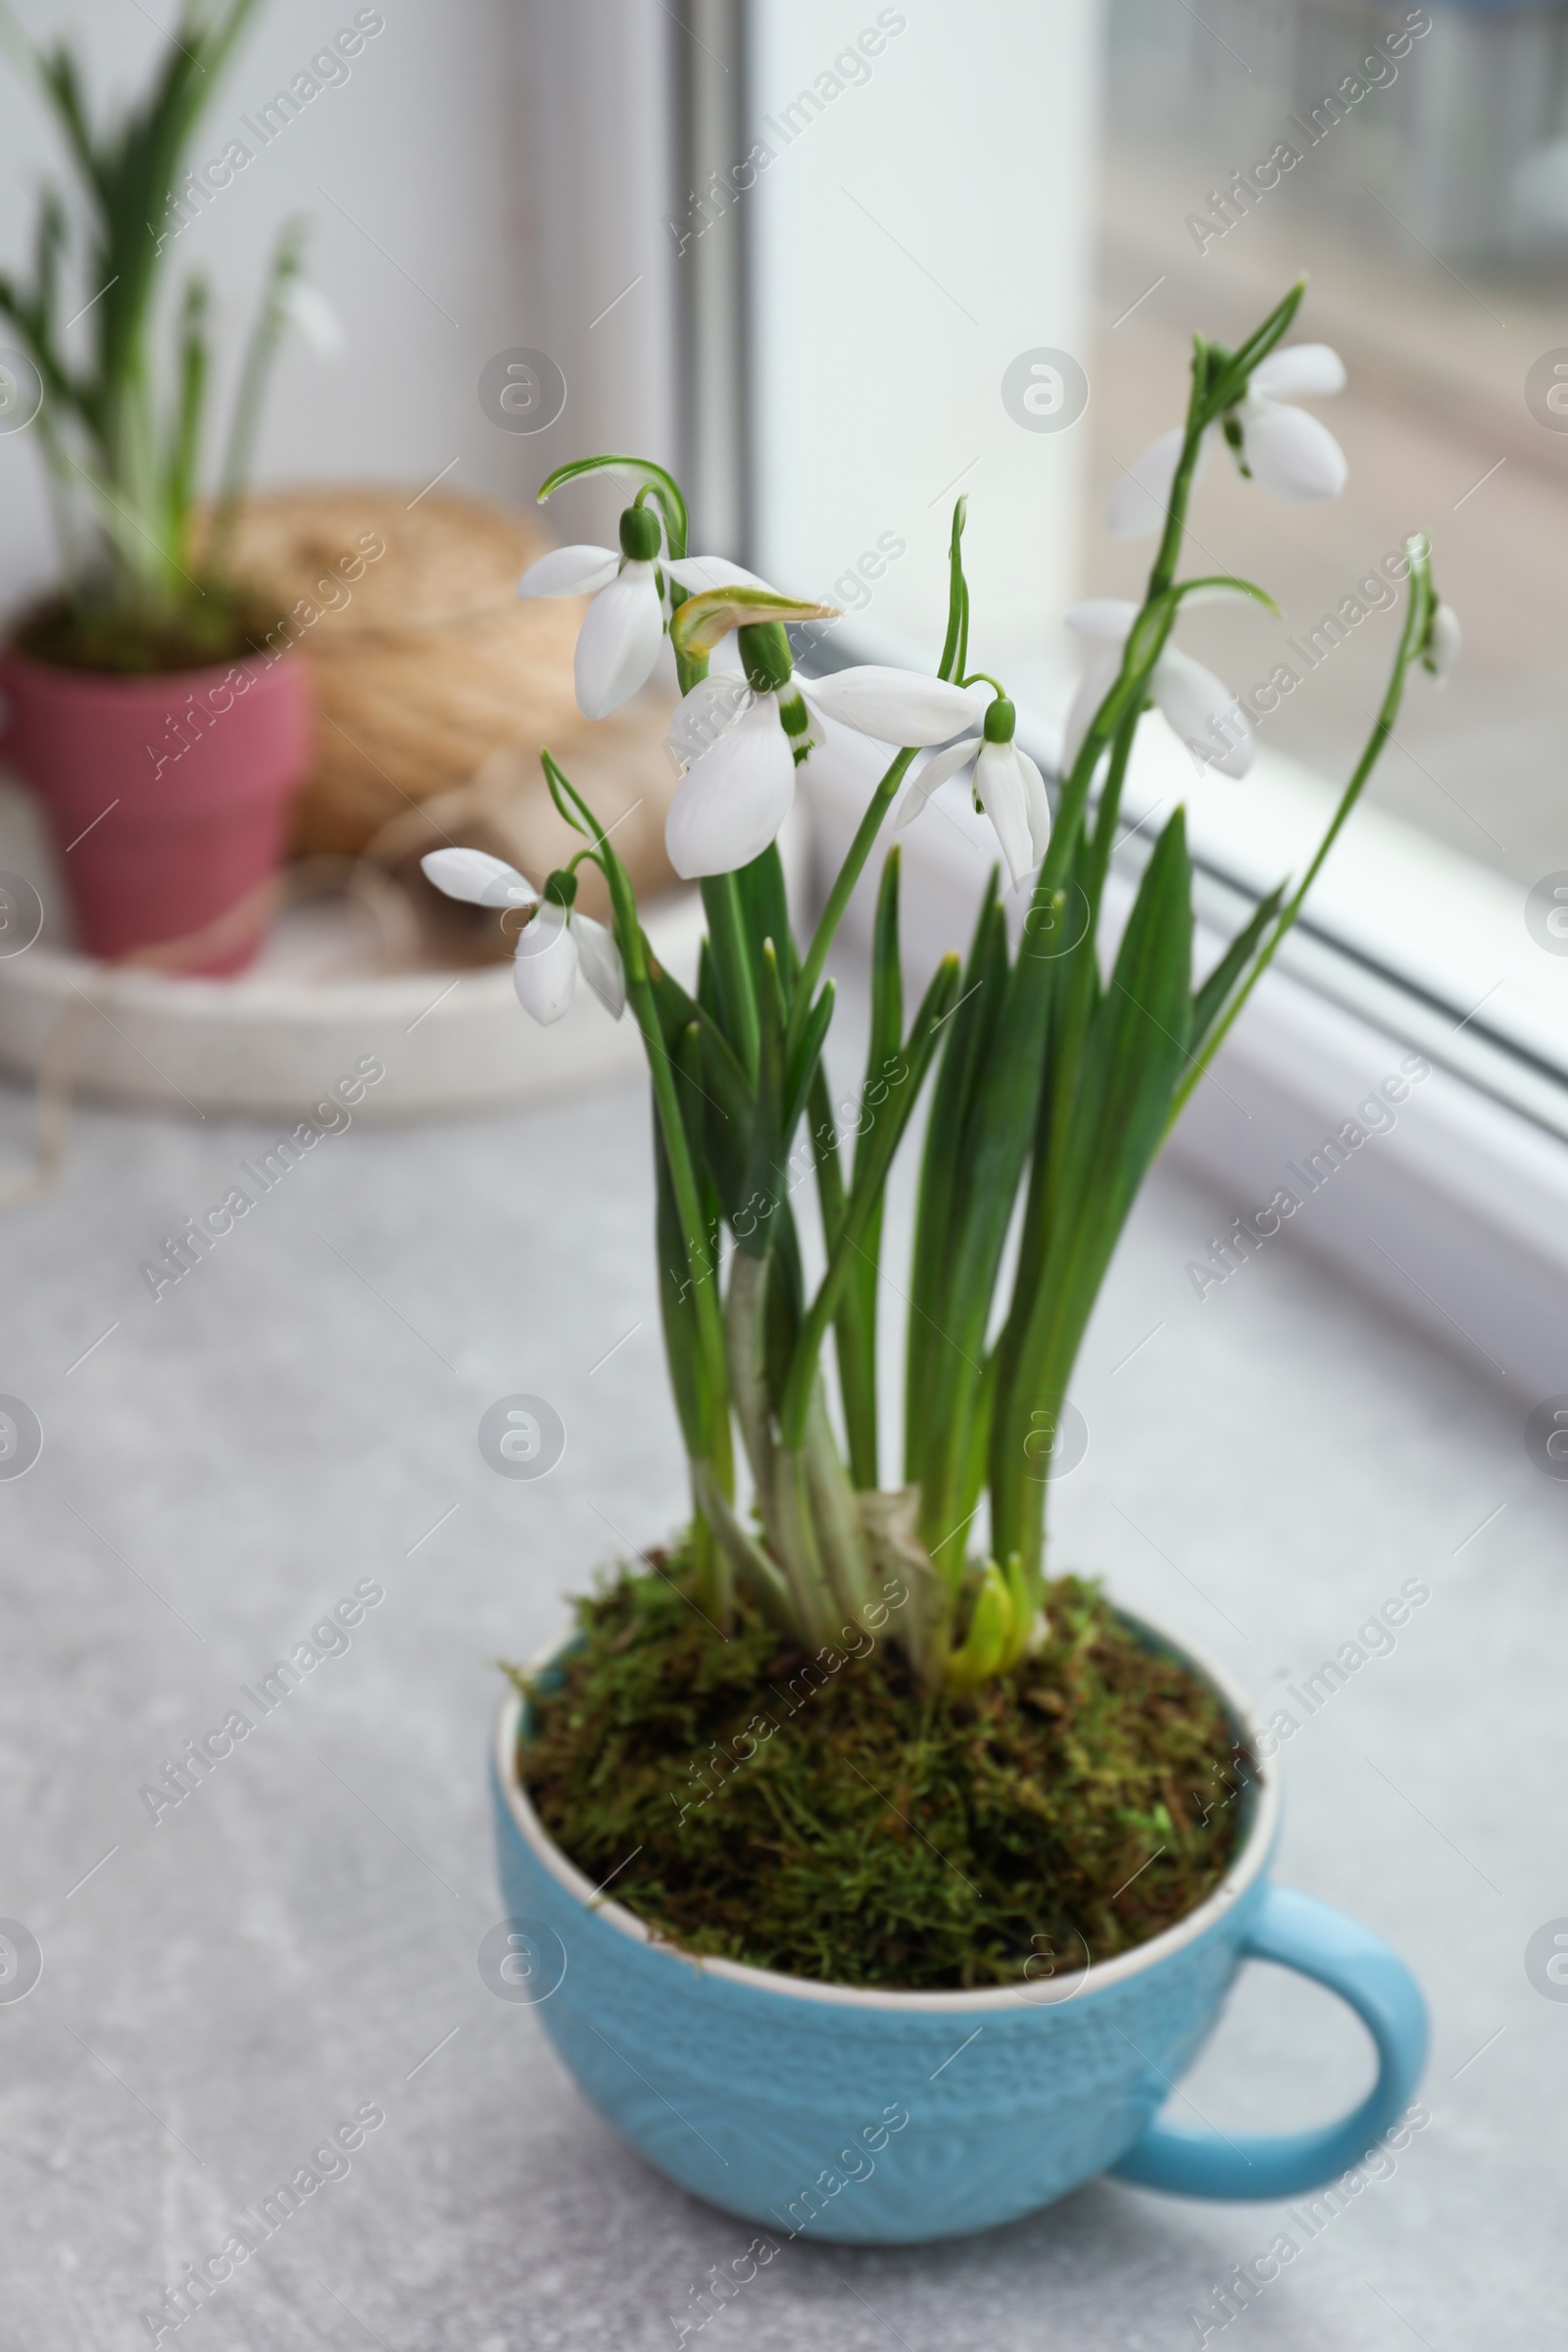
428,669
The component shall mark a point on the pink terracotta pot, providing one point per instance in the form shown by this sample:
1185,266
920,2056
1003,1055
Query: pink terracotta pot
168,797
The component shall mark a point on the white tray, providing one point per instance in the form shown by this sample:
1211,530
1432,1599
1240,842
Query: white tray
297,1023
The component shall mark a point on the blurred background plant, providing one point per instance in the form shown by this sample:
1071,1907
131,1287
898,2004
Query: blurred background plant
146,584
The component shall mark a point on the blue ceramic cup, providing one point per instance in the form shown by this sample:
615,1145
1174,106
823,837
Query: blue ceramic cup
893,2117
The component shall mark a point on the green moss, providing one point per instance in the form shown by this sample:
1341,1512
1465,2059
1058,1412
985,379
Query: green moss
836,1823
226,625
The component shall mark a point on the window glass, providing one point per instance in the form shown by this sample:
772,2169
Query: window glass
1414,164
917,185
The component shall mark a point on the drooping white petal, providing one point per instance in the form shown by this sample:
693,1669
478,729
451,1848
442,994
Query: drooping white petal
713,706
897,705
570,571
937,770
699,572
1037,804
1290,453
618,642
544,970
733,799
1300,371
1099,676
600,958
1203,711
1444,643
1140,501
1106,618
313,319
999,781
479,878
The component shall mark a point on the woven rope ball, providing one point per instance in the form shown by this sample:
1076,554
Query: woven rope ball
429,669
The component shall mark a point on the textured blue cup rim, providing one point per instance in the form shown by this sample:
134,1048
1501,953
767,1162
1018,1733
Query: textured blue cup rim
1245,1871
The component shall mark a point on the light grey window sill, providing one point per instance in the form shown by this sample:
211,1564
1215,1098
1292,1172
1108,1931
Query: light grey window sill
301,1934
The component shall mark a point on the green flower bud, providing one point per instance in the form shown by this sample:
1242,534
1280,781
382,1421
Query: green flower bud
765,656
639,535
1000,720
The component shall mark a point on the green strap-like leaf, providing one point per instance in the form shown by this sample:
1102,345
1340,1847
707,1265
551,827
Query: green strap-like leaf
918,1050
1133,1055
938,1361
1210,1000
855,1327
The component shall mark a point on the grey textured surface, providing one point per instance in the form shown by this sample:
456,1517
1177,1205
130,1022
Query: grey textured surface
297,1936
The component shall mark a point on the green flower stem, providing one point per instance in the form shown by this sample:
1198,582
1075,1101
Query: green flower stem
711,1367
1083,972
856,1324
870,1179
825,1155
683,1174
1139,657
1163,572
1105,834
733,969
839,895
653,481
1416,622
701,1263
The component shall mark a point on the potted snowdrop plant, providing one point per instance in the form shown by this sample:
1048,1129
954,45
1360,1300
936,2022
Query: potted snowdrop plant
151,702
873,1881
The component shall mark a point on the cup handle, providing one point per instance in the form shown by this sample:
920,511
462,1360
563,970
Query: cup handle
1295,1931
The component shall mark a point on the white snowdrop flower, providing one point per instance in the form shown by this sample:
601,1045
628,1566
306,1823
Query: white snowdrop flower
741,740
618,642
739,785
623,628
479,878
551,950
1444,643
1006,783
696,573
1203,713
1287,452
305,309
553,946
